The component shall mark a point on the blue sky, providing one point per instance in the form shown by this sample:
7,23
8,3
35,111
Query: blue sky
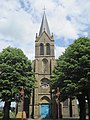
20,20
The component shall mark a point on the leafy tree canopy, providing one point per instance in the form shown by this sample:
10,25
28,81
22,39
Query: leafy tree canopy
72,73
15,72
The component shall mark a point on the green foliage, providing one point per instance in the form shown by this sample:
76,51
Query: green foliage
15,72
1,113
72,73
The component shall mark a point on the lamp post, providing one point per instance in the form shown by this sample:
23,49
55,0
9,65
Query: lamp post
57,101
22,94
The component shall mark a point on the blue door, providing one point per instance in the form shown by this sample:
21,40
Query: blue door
44,110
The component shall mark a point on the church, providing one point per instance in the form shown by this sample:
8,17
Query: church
43,66
41,104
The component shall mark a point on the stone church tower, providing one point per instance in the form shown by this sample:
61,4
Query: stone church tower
40,104
43,67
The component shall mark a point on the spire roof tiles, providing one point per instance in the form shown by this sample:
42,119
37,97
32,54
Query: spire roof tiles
44,25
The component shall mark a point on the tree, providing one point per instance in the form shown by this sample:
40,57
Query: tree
15,72
72,73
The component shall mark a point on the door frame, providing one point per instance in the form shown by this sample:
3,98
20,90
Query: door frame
49,109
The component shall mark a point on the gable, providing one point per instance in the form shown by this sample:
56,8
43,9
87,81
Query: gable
44,38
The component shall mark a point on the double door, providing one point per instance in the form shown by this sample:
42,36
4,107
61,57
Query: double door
45,110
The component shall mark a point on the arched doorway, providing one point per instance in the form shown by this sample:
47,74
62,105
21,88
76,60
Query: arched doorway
45,107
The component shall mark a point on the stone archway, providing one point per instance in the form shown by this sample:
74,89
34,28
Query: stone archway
45,107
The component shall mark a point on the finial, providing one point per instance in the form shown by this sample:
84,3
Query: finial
36,35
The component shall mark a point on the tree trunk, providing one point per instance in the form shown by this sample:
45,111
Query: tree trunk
26,106
6,110
88,98
82,106
32,114
16,108
70,107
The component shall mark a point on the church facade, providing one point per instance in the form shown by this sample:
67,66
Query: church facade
41,105
43,66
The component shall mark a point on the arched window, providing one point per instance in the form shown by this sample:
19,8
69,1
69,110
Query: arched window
45,65
41,49
47,49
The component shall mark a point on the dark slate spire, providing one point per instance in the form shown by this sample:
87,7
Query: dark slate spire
44,25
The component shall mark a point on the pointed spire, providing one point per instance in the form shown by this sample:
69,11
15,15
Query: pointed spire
44,25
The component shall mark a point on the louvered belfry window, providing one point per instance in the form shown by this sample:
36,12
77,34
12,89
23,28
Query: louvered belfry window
47,49
41,49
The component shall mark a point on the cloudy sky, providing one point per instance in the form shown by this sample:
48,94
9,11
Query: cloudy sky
20,20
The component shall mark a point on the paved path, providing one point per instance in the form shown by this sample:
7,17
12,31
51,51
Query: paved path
56,119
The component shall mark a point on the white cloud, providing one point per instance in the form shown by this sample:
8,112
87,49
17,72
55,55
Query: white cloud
17,29
4,42
77,22
59,51
20,20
